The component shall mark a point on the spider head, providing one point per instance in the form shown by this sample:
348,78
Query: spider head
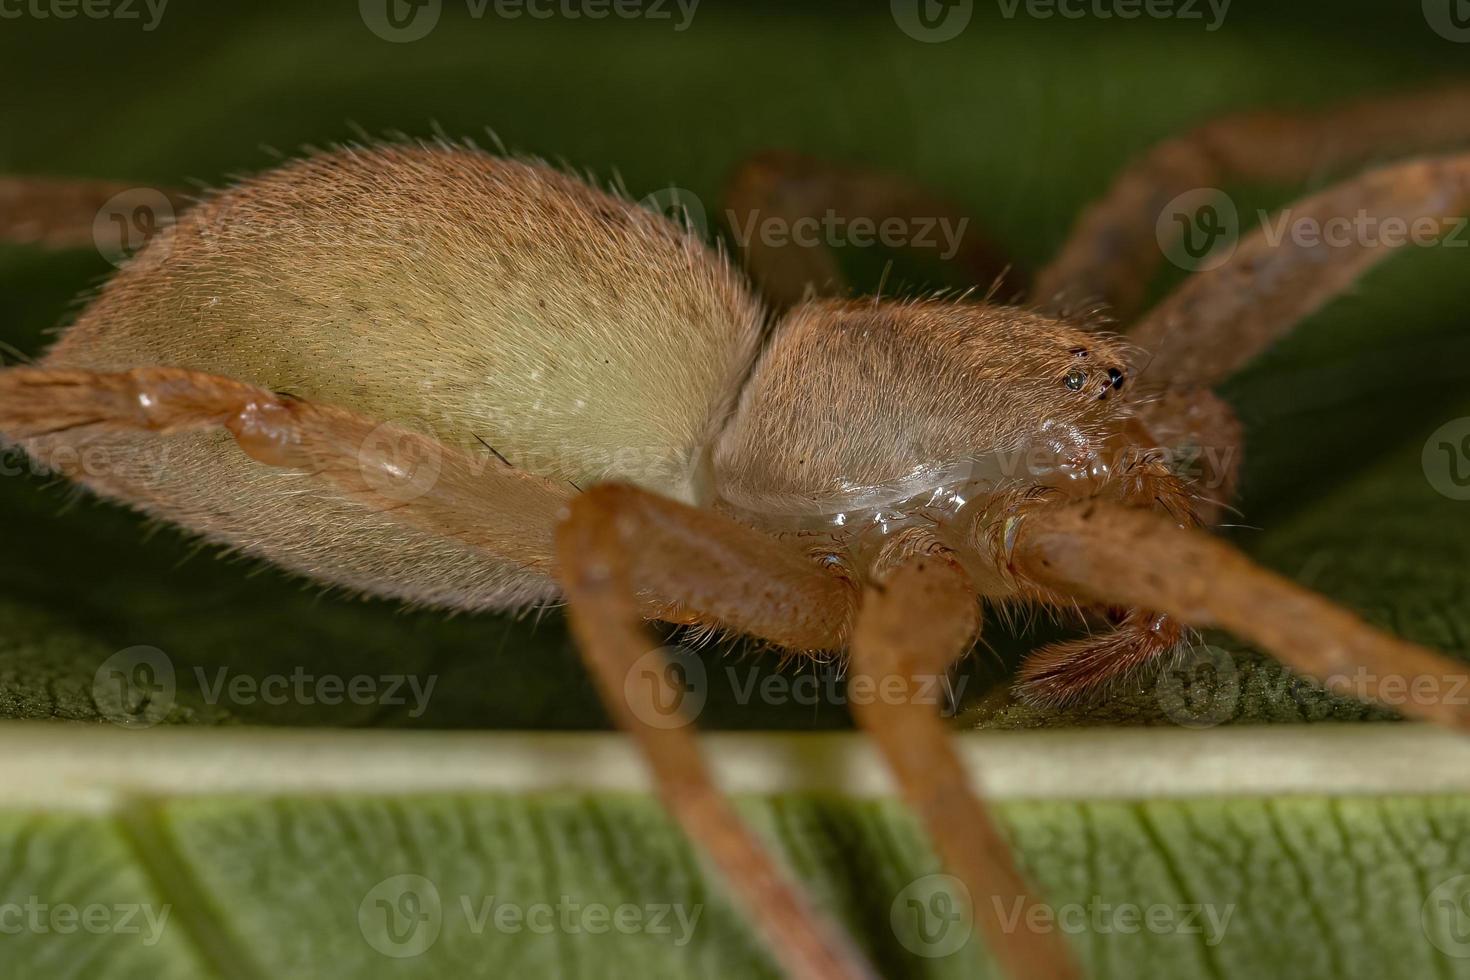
1037,374
1094,377
862,405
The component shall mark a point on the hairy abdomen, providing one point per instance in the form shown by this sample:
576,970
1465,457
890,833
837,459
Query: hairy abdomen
463,295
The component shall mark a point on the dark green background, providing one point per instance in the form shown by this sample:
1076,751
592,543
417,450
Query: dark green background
1022,121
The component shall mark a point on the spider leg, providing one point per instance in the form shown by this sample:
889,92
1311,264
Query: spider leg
920,617
1134,558
776,197
1072,670
1121,640
1113,250
610,535
1218,320
61,213
512,514
1216,323
419,480
1203,442
725,573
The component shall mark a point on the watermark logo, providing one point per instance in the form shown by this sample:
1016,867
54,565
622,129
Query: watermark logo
135,688
1445,917
680,205
130,220
400,21
932,916
398,464
1446,459
667,688
1201,688
932,21
1450,19
401,916
1199,229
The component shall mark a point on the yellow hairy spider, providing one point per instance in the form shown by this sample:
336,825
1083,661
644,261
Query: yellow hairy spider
331,349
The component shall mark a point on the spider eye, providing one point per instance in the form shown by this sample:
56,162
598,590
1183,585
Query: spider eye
1117,378
1075,379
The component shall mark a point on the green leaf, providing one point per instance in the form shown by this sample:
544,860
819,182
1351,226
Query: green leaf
331,855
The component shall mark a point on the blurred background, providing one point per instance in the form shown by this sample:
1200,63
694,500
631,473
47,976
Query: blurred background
1019,112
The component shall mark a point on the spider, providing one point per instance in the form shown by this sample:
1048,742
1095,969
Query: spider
475,382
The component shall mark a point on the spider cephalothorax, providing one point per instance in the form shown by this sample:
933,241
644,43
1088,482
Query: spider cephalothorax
475,382
865,419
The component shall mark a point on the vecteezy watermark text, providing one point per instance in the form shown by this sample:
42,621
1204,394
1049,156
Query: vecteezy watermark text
1211,12
301,687
402,916
940,234
137,688
1098,918
669,687
935,21
1201,229
149,12
412,20
1402,690
96,918
933,917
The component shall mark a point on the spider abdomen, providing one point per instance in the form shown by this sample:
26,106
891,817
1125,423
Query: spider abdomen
477,299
